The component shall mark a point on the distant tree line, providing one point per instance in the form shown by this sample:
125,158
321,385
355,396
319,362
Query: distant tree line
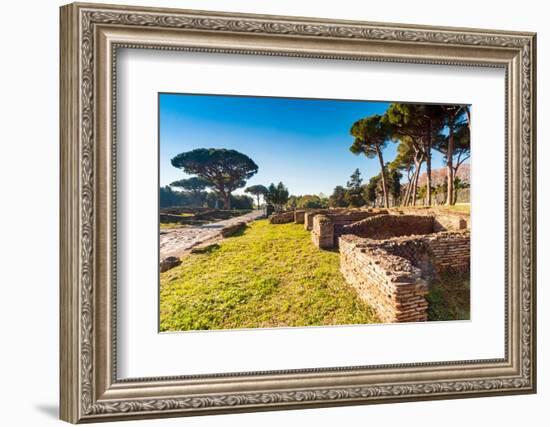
204,199
418,129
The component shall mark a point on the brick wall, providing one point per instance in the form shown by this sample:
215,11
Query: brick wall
322,234
282,218
434,254
309,214
444,220
393,275
387,226
327,227
388,283
299,216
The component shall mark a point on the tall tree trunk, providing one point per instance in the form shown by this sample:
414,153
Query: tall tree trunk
429,168
258,200
383,175
408,192
450,175
405,198
226,200
415,180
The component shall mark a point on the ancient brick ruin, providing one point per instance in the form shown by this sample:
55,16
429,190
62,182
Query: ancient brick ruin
390,257
328,226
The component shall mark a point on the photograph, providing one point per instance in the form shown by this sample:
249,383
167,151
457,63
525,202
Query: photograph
282,212
269,210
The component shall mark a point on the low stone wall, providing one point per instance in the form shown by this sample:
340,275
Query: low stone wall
388,283
282,217
444,220
177,210
450,251
310,214
451,221
434,254
230,230
171,218
393,275
328,227
299,216
322,234
386,226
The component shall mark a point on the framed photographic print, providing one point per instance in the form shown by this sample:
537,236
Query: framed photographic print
264,212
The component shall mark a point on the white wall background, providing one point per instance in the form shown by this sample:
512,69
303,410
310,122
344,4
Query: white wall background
29,223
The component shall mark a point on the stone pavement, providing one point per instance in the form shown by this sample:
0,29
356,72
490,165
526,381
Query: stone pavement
178,241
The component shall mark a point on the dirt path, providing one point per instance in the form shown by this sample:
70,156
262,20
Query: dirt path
176,242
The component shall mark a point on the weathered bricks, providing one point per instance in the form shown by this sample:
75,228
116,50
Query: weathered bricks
282,217
387,226
328,226
299,216
388,283
392,275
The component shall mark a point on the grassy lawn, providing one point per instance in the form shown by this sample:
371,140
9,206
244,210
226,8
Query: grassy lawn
449,298
267,276
463,208
170,225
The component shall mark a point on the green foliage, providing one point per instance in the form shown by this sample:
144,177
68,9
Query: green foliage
224,170
169,197
354,190
311,201
394,178
416,121
257,190
404,160
370,135
270,276
370,190
449,298
194,184
338,198
277,195
213,200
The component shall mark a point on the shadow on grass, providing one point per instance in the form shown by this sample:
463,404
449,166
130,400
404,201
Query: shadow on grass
206,249
449,298
239,233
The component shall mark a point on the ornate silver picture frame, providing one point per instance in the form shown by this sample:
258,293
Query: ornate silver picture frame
91,34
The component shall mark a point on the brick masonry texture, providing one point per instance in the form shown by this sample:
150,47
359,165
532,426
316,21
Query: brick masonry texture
327,227
388,283
282,218
299,216
310,215
443,220
378,269
387,226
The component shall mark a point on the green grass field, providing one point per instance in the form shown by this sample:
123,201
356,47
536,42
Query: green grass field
266,276
462,207
449,298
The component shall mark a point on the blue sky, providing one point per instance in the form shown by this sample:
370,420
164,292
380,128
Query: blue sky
302,142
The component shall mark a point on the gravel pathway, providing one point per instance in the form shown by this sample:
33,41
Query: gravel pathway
176,242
